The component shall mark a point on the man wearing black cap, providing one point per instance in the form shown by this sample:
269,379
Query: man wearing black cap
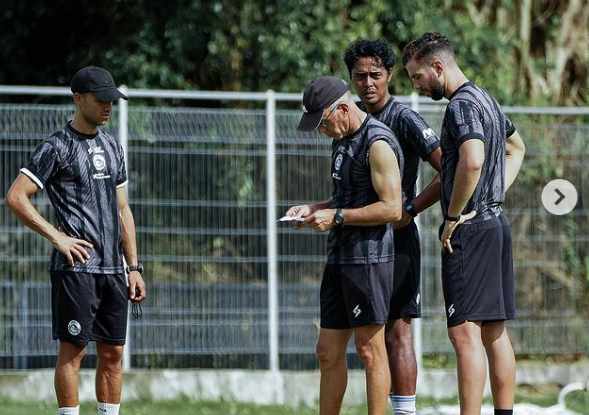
358,279
83,170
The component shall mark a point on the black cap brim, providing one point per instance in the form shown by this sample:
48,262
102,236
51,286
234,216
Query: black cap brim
109,95
310,121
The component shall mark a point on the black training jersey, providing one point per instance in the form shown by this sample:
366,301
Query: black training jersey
352,188
81,174
416,137
473,113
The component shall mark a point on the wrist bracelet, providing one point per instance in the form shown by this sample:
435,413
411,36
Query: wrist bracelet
452,218
409,208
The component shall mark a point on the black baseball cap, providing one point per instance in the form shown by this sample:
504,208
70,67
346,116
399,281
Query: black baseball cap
97,80
319,94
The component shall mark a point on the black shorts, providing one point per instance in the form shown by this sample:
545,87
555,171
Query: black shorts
89,307
355,295
406,282
477,277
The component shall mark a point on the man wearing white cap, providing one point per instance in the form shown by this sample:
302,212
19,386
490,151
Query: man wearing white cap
357,282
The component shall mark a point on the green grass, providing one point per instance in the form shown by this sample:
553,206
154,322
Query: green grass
541,396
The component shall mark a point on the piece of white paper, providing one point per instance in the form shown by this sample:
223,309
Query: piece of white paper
291,218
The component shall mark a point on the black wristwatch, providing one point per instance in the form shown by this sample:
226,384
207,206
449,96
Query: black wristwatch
409,208
452,218
339,217
138,268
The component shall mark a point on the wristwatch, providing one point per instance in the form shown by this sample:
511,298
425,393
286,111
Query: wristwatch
339,217
138,268
409,208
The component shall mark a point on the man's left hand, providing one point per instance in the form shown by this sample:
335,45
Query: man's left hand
449,228
137,289
321,220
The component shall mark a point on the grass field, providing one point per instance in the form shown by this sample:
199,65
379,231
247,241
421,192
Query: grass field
545,396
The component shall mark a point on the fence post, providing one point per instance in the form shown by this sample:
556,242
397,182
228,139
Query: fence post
272,249
417,328
123,138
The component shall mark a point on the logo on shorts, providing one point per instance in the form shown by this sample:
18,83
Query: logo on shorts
74,328
451,310
356,311
417,298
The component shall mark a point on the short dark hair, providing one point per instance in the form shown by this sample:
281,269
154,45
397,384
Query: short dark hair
378,49
426,46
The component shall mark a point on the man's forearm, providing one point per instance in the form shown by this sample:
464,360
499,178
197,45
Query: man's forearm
465,183
29,216
374,214
513,163
128,236
428,196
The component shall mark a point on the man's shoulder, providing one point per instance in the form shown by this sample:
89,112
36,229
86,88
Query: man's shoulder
106,136
374,125
470,93
59,140
376,129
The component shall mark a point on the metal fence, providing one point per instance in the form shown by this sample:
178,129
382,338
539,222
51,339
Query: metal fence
231,288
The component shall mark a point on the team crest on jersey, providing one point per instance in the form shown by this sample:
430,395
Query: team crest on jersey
99,162
74,328
338,161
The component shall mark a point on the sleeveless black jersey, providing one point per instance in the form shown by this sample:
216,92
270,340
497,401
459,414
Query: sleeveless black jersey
415,136
473,113
81,174
352,188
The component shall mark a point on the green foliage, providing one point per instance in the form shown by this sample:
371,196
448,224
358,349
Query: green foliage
254,45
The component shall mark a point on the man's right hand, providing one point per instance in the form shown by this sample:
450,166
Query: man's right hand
72,248
300,211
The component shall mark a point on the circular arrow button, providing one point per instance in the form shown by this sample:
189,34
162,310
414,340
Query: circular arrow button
559,197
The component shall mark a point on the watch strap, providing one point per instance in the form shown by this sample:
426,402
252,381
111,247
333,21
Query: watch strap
452,218
409,208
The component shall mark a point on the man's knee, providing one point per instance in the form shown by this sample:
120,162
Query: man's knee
493,332
110,354
328,355
71,353
367,353
370,351
398,334
465,336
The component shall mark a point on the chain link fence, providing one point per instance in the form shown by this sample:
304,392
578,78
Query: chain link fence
198,189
